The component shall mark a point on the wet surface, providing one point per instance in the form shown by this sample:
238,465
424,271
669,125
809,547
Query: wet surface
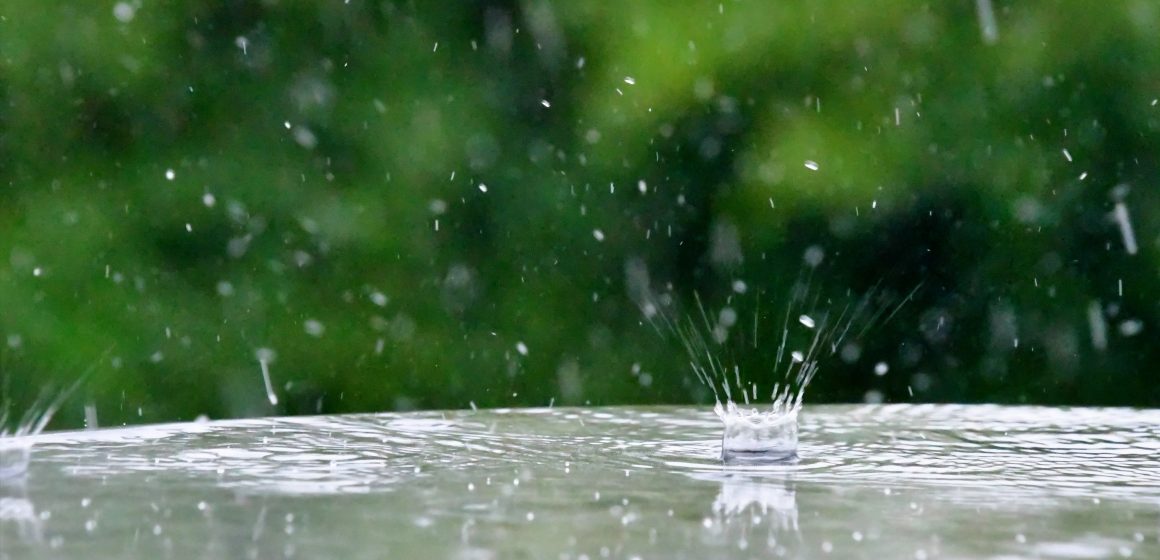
871,482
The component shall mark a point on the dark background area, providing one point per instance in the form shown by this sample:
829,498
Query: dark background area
434,204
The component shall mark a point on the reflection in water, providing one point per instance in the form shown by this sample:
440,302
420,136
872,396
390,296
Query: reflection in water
14,452
752,506
18,512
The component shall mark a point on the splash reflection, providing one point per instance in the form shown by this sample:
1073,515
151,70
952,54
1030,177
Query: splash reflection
755,509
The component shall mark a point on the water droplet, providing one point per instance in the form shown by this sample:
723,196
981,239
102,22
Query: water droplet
599,235
811,165
124,12
482,188
807,321
314,327
1131,327
881,368
170,174
814,256
522,348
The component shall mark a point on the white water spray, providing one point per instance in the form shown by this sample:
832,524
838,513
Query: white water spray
753,433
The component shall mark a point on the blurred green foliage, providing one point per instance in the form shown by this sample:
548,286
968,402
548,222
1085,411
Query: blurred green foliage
432,204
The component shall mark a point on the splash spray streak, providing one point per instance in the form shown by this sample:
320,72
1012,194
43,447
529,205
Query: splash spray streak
15,445
752,434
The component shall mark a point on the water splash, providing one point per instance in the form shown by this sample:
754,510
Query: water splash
754,433
757,436
16,443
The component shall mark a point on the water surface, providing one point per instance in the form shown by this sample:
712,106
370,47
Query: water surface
873,482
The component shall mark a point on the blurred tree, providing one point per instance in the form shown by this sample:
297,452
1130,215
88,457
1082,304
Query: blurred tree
433,204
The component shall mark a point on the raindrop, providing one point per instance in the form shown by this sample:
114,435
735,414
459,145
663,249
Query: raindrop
814,255
811,165
1131,327
599,235
881,368
208,200
987,25
1125,223
314,327
522,348
807,321
266,356
727,318
482,188
170,174
124,12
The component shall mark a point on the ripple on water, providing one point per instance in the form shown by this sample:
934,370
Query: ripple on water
1076,451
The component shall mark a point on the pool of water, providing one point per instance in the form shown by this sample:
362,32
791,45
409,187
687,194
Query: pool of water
896,481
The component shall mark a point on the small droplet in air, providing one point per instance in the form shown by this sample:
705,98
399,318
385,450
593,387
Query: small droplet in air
482,188
545,103
170,174
814,256
208,200
313,327
797,357
881,368
125,12
630,80
522,348
599,235
1131,327
807,321
811,165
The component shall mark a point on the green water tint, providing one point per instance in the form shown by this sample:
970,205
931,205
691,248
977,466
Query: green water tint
871,482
